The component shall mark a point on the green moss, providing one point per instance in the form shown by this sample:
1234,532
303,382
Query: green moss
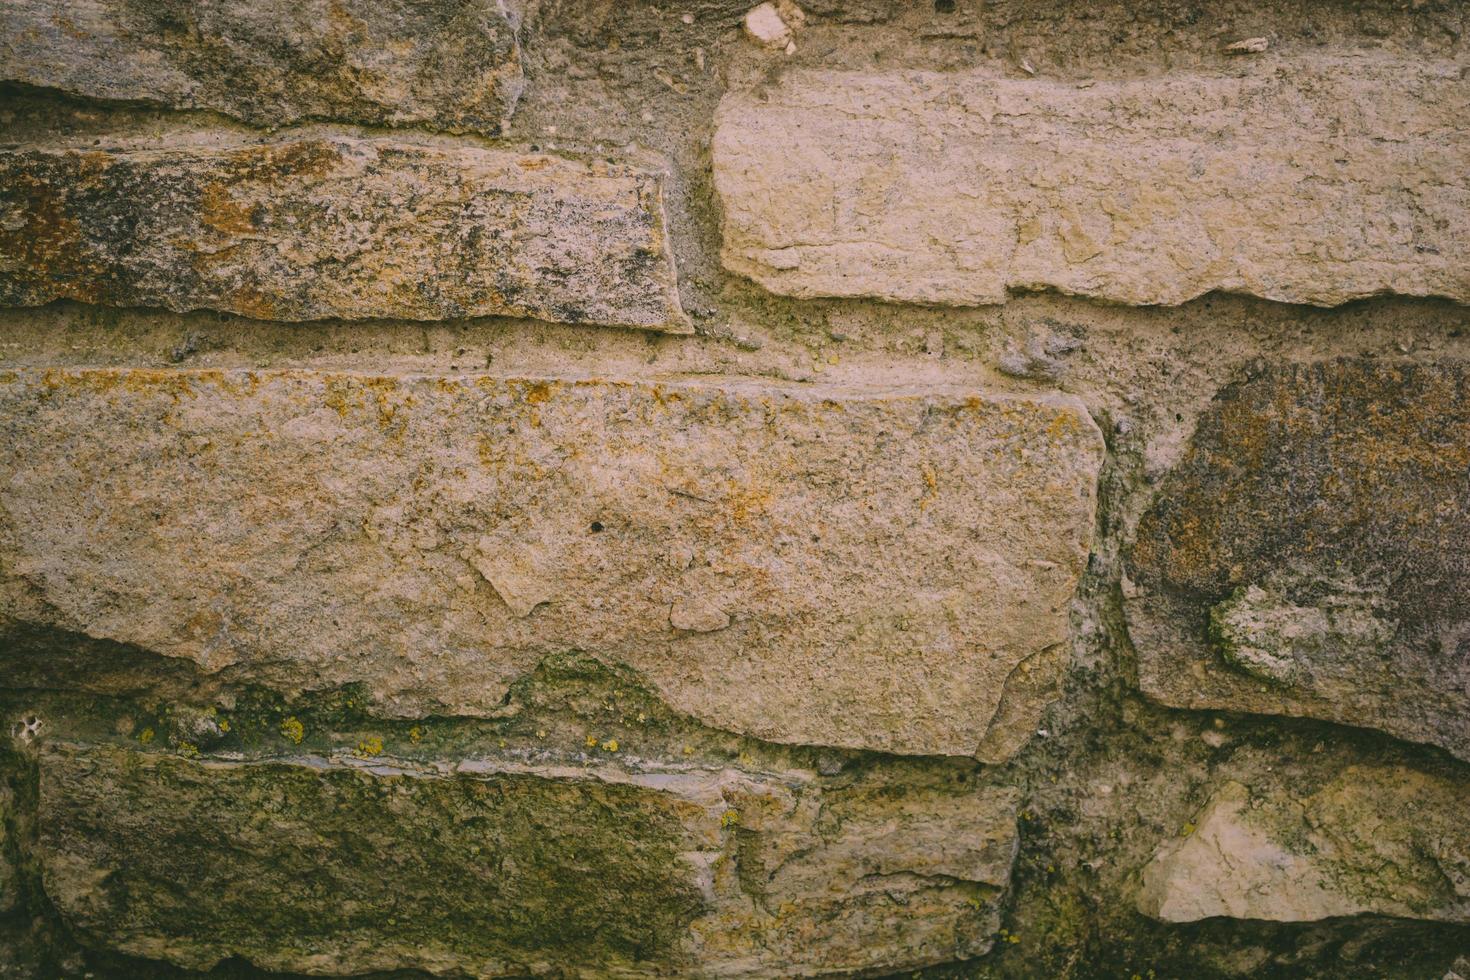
252,859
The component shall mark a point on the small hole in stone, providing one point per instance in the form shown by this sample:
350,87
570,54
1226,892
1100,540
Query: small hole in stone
944,6
596,526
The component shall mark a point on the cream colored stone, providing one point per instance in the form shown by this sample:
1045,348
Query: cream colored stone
764,24
1250,45
1317,181
515,578
697,615
894,558
1381,841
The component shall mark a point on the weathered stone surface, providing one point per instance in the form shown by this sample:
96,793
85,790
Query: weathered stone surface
9,876
1308,555
336,227
448,63
886,559
499,868
1313,180
1385,841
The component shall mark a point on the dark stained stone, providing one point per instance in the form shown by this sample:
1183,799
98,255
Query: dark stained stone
319,228
450,64
1310,555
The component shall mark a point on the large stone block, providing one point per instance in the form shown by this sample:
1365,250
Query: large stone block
1372,840
815,564
337,227
1308,555
499,868
448,63
1311,180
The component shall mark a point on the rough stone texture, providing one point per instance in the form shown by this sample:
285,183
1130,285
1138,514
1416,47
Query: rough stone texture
1308,555
338,227
852,567
499,869
546,637
9,878
451,64
1315,180
1381,841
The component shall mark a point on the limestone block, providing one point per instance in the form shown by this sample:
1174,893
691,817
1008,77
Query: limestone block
506,868
1373,840
1311,180
449,64
1306,556
338,227
861,567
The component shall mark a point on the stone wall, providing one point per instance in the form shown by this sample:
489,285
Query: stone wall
594,488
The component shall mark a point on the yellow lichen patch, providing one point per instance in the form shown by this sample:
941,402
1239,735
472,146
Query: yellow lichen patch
293,731
537,392
931,486
369,747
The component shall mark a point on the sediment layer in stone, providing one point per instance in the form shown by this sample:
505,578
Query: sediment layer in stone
452,64
1373,840
1310,180
810,564
498,868
1307,556
337,227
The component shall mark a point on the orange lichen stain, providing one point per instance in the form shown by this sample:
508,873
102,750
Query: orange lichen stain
533,163
931,487
340,396
101,381
69,28
492,456
251,302
270,162
175,384
343,22
747,501
345,394
666,397
1063,424
535,392
220,211
8,377
49,241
